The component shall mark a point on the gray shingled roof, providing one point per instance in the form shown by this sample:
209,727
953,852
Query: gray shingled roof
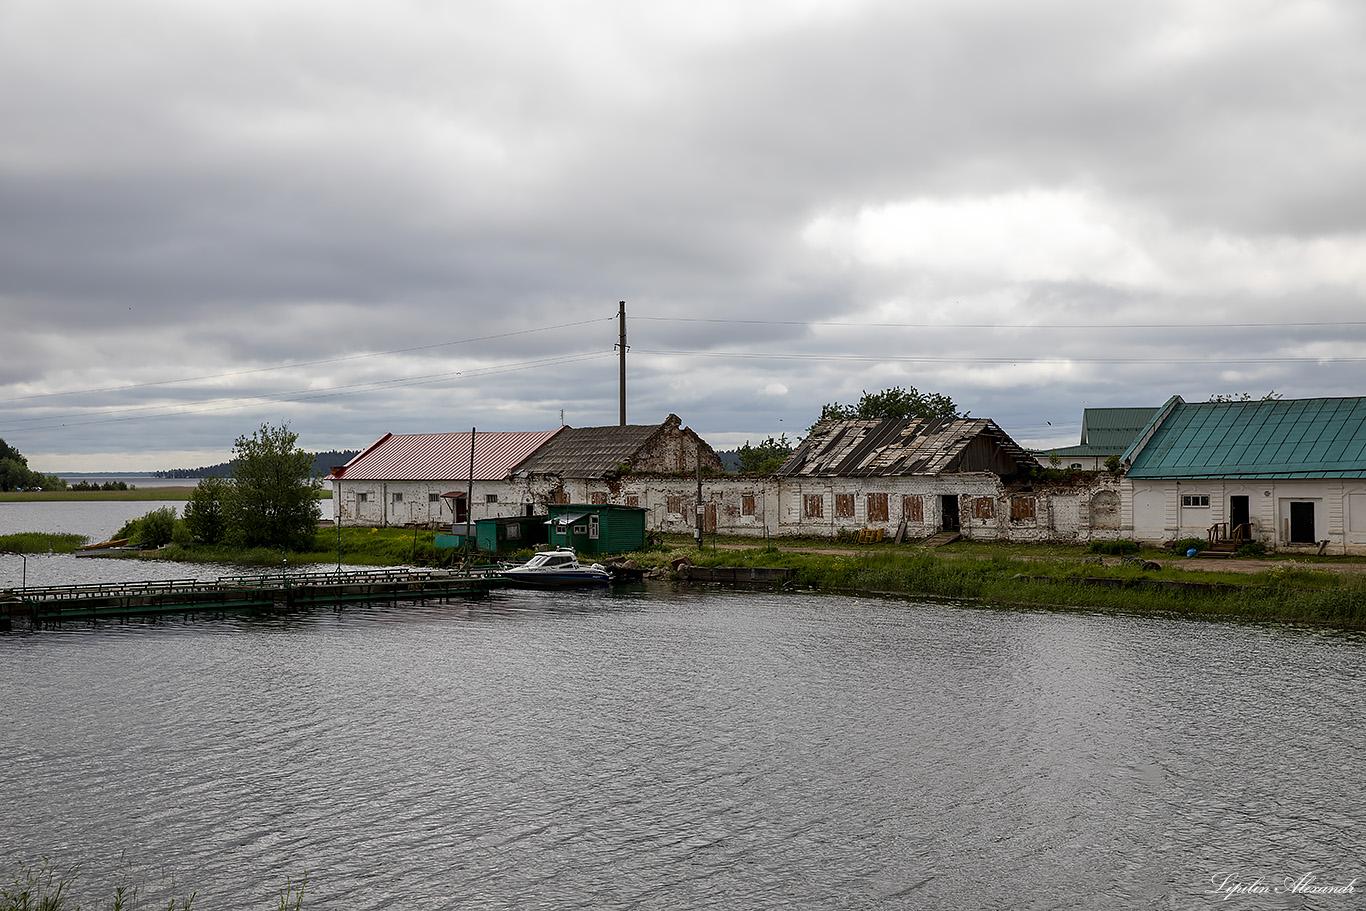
927,446
588,452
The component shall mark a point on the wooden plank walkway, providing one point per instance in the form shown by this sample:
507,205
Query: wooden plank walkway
264,591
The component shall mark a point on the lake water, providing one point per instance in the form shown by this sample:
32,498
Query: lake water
97,520
661,748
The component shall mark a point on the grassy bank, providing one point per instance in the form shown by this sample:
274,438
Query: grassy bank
359,547
33,542
1039,575
92,496
1290,590
137,494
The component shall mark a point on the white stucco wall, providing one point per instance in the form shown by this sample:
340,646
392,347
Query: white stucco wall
778,507
1157,513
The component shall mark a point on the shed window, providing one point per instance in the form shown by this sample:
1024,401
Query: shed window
913,509
844,505
513,533
1197,500
746,504
877,507
1021,509
813,506
983,508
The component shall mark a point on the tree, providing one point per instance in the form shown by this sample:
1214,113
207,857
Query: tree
764,458
272,501
895,403
15,473
204,513
157,527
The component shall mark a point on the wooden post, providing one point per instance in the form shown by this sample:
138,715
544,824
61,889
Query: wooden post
469,499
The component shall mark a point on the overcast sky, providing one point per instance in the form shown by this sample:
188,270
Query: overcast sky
419,216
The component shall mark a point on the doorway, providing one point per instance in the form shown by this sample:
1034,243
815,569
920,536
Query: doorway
1301,523
948,507
1239,518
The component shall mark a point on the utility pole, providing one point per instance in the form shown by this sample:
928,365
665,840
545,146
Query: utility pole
701,510
621,346
469,499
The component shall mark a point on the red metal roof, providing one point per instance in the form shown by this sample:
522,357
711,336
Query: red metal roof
442,456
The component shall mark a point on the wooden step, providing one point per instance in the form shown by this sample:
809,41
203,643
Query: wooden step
939,540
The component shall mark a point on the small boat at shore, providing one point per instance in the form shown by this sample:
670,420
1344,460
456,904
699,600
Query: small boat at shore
556,569
104,548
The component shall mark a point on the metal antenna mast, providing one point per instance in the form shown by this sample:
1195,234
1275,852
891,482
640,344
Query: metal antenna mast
621,346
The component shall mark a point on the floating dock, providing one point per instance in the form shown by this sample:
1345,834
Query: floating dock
33,607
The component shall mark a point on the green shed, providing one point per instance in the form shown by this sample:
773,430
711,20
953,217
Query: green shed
507,533
597,528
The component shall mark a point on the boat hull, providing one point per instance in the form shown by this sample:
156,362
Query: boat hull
557,579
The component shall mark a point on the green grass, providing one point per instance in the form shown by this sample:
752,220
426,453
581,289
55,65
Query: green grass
359,547
1014,575
91,496
33,542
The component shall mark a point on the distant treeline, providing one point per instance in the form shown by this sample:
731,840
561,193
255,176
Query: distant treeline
323,463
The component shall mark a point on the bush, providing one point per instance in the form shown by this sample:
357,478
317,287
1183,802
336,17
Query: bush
1113,548
157,528
1251,549
1180,547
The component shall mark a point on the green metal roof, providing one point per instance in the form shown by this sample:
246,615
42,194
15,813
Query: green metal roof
1113,429
1296,438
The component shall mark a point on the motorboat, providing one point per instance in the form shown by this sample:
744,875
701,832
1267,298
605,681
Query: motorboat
556,569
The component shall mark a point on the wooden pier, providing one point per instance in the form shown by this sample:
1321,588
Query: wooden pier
33,607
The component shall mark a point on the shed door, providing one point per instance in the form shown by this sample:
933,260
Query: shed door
949,507
1239,517
593,525
1301,523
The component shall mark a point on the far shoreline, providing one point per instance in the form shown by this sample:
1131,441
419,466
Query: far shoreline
135,494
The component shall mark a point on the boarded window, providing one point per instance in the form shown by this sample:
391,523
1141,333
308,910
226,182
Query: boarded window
983,508
675,505
913,510
813,506
633,500
746,504
877,507
598,499
513,533
1022,509
559,496
844,505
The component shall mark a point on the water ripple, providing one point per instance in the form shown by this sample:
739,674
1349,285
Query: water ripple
665,750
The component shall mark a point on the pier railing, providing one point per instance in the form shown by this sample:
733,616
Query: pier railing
253,591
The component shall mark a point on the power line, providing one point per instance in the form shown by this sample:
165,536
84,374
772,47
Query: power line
971,359
1011,326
